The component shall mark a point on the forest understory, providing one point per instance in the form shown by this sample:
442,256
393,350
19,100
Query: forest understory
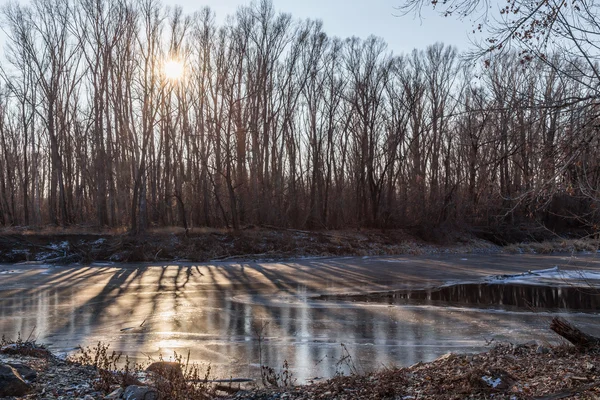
73,245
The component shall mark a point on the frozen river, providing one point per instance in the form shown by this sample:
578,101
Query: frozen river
219,311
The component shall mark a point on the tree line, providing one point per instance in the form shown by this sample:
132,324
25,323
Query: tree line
276,123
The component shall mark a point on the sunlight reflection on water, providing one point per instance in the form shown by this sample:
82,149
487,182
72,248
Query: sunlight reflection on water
218,313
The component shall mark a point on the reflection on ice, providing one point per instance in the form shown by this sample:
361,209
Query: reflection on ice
538,290
216,312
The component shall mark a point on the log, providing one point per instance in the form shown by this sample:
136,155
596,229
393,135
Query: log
566,393
573,334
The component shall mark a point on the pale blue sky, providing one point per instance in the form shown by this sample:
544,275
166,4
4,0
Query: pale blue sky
345,18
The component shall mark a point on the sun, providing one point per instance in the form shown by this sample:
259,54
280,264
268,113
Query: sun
173,70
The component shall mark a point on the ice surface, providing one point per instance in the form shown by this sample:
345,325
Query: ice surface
553,275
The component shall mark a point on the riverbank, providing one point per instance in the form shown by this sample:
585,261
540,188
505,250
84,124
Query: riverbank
73,245
201,245
506,371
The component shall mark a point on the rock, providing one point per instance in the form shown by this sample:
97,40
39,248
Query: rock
589,366
115,394
135,392
168,370
26,372
11,382
542,350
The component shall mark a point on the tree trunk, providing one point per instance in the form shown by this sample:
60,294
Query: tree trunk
573,334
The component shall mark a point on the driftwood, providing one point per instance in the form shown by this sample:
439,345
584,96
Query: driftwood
227,389
573,334
240,256
566,393
335,235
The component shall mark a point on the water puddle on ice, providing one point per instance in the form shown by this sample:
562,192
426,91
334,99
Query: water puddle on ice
491,295
543,290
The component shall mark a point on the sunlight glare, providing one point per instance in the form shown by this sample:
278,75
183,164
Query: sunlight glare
173,70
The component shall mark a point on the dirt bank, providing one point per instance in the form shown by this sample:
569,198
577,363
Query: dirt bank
507,371
69,246
64,246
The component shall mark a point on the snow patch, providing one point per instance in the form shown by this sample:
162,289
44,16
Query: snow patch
102,263
59,246
11,271
44,256
549,276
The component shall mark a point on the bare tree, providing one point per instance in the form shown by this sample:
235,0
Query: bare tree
275,123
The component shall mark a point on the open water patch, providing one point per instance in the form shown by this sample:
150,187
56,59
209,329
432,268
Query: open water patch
544,290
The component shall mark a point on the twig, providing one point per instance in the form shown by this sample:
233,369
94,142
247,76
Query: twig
31,333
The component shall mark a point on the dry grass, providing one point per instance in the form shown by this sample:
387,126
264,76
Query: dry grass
23,347
190,384
555,246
